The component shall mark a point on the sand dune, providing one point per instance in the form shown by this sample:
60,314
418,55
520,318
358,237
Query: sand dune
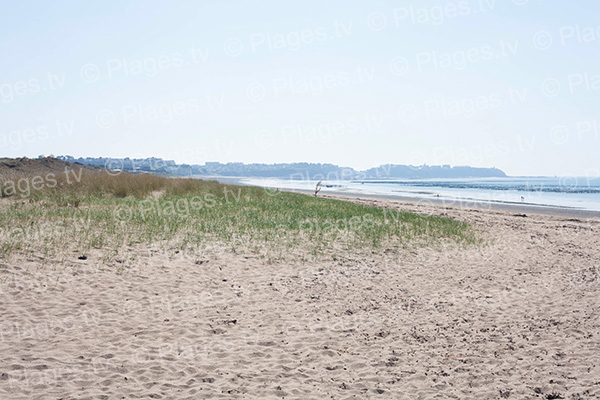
516,318
38,166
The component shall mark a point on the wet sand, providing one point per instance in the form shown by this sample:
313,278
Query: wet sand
518,208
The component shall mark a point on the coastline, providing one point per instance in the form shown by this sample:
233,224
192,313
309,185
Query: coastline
517,208
514,315
526,209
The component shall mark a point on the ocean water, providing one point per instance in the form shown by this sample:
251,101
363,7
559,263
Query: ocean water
568,192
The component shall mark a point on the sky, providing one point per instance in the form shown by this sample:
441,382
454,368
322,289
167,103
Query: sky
512,84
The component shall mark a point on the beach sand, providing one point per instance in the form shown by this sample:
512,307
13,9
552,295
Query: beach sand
517,318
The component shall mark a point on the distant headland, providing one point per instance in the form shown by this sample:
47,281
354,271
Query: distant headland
285,170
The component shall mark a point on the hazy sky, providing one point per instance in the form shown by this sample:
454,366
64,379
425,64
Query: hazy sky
508,83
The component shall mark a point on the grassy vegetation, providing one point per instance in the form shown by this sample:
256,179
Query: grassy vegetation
98,210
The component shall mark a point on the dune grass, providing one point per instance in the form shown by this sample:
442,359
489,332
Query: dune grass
98,210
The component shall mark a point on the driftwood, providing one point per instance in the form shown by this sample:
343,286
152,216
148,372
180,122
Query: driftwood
318,187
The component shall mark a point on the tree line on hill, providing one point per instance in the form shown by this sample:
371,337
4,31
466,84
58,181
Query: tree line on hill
296,171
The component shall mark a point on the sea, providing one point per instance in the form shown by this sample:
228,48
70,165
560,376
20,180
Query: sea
577,193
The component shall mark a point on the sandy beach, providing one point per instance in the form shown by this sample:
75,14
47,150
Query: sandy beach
510,207
300,200
336,191
514,318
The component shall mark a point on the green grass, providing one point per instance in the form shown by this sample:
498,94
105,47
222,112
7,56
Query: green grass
102,211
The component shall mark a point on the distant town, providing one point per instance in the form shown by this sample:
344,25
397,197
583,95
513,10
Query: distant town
296,171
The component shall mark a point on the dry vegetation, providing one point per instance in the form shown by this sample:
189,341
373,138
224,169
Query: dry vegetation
82,209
